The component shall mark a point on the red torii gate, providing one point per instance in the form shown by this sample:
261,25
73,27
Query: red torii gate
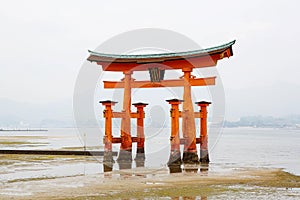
156,64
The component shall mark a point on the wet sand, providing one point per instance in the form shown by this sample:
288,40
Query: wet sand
140,183
236,171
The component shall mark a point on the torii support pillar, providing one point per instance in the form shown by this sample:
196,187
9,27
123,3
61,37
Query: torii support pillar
190,155
140,151
126,141
107,140
175,155
204,157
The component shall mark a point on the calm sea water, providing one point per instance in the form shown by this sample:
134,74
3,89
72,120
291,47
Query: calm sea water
259,147
242,147
232,148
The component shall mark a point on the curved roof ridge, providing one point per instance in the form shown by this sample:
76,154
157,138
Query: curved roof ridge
159,55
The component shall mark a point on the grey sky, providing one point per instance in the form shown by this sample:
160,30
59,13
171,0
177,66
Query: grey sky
44,43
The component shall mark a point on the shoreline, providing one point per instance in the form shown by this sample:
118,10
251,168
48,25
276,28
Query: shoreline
13,130
54,152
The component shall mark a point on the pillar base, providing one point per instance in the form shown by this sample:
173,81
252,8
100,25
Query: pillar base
140,154
175,168
125,164
108,161
140,157
191,168
175,158
204,157
140,163
108,157
125,155
107,167
204,167
190,158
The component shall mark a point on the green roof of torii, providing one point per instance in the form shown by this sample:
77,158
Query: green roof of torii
96,56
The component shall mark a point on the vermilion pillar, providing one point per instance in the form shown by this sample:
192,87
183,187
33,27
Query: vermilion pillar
126,142
204,157
140,151
175,155
188,121
108,115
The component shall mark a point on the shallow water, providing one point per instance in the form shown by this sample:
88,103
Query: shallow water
234,149
259,147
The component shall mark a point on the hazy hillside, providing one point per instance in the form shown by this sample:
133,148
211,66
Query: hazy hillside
23,114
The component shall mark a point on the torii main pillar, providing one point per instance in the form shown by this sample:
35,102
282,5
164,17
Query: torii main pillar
188,121
126,144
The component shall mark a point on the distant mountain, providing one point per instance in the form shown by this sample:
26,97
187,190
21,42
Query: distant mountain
23,114
292,121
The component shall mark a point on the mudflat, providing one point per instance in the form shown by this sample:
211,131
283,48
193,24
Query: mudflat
143,183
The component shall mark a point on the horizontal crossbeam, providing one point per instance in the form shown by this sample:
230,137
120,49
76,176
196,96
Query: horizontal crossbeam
163,83
198,114
123,115
137,115
119,140
135,139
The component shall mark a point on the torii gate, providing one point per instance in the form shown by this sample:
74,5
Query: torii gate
156,64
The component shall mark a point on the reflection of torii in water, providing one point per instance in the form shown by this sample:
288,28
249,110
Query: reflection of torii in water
156,64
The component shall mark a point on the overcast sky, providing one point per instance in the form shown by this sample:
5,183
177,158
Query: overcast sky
44,43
